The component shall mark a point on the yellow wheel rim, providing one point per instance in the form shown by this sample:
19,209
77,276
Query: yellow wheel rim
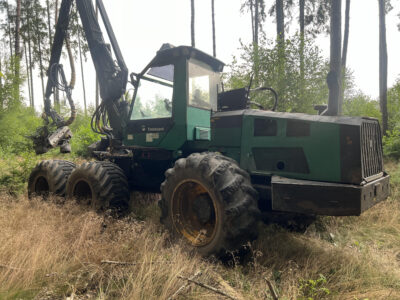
194,212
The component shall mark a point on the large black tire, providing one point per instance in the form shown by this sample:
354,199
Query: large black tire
208,200
100,185
50,177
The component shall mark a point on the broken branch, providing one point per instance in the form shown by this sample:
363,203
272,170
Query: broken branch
271,289
217,291
184,286
124,263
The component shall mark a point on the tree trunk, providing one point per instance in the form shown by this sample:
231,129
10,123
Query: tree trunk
302,35
334,75
9,29
17,51
40,51
82,74
256,22
383,65
344,50
27,74
192,23
213,28
346,34
252,21
17,32
49,24
56,91
56,12
280,22
301,50
30,62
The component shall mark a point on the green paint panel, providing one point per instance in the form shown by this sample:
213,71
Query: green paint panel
226,137
196,117
321,151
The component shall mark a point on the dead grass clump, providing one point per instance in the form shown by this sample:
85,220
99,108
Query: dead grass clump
50,251
60,249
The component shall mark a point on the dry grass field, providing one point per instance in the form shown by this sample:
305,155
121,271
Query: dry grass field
53,251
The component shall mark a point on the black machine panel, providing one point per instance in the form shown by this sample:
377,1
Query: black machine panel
265,127
281,159
233,100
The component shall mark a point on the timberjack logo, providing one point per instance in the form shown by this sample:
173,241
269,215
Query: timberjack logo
155,129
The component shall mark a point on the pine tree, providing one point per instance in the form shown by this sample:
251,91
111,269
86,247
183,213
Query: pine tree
383,64
213,28
192,25
334,75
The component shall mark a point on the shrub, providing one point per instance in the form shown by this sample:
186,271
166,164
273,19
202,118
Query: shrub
16,125
83,136
361,105
391,144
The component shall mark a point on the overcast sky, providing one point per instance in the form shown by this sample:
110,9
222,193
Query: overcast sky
142,27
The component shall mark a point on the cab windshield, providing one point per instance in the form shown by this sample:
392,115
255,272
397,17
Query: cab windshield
154,96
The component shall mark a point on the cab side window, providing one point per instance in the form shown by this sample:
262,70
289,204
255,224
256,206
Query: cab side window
203,84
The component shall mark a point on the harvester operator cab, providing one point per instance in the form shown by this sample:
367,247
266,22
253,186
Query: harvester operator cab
174,97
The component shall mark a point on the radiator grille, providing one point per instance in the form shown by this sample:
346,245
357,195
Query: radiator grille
371,148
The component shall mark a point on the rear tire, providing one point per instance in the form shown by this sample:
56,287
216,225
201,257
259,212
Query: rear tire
208,200
100,185
50,177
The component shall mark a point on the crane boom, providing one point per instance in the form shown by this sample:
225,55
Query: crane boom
112,75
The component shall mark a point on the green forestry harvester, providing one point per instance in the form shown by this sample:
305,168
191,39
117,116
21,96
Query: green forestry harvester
218,164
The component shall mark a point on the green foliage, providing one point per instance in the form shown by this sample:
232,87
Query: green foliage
83,136
16,125
391,144
15,171
281,71
394,105
361,105
314,289
8,97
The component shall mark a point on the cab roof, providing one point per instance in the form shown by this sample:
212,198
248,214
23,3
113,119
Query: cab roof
169,53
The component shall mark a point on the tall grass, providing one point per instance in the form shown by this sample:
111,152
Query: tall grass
52,252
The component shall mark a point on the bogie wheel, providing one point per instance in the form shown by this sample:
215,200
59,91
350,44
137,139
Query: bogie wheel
50,177
100,185
208,200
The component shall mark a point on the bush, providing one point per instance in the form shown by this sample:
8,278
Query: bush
15,171
362,106
391,144
83,136
16,125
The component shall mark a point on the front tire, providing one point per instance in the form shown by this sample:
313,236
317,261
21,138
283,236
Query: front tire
100,185
50,177
209,202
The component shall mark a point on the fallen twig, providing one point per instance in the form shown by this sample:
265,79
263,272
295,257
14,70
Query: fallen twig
272,290
225,285
184,286
124,263
10,268
217,291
